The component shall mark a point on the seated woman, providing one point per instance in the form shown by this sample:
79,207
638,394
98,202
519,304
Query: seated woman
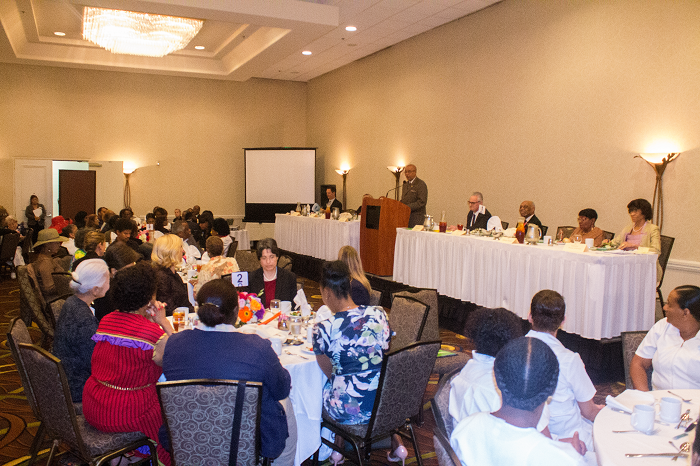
223,353
359,285
94,246
77,324
269,281
217,266
223,231
586,227
349,348
11,226
118,256
640,232
672,346
121,397
474,389
45,264
166,256
526,372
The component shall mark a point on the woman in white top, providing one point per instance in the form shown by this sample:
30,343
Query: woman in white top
526,372
672,346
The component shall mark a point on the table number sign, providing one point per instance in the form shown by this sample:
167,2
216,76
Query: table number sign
239,279
575,247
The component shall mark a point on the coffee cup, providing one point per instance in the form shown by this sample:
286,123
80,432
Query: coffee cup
670,409
643,418
276,345
589,243
547,240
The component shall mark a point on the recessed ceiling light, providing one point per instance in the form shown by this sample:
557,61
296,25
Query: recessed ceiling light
306,52
199,47
61,34
350,28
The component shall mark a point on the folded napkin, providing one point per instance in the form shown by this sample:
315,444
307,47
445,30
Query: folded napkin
345,217
322,314
627,399
302,303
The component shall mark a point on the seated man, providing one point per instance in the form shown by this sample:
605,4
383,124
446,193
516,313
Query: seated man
526,372
586,227
478,216
332,201
182,229
573,398
527,211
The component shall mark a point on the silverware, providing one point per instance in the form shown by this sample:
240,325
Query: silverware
618,410
298,355
685,448
684,417
655,431
683,399
691,426
642,455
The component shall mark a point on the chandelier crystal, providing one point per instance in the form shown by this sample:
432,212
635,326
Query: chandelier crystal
133,33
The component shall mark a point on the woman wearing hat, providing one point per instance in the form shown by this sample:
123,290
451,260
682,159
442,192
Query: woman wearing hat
48,242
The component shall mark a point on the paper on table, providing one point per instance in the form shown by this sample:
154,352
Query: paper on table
323,313
302,303
627,399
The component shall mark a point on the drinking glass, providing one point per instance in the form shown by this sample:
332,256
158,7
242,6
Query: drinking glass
577,239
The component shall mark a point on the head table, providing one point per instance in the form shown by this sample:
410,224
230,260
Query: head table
315,237
606,292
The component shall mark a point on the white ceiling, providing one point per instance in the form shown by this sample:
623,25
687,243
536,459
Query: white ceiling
242,38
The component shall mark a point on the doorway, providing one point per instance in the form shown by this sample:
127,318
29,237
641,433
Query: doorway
76,191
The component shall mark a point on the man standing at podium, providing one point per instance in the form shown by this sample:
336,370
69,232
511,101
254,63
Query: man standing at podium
415,195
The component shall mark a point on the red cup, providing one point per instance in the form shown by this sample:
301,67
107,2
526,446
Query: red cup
460,227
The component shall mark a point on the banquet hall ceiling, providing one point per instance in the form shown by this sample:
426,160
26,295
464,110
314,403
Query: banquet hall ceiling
242,38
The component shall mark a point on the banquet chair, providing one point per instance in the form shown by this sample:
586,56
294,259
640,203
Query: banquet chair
27,245
62,281
407,319
630,343
232,249
444,453
375,298
8,249
544,230
17,333
61,423
566,231
440,404
504,225
285,262
402,382
666,246
609,235
223,413
32,305
247,260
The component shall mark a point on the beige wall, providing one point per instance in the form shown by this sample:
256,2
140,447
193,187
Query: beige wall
540,100
195,128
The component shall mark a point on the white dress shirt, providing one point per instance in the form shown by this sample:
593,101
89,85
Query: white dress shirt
485,440
573,386
676,362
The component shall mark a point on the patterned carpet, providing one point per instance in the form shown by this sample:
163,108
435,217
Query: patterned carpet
18,425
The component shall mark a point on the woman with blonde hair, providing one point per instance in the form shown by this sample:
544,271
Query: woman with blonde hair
166,256
359,285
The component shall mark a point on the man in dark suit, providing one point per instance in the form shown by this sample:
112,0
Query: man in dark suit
332,201
415,195
478,216
527,211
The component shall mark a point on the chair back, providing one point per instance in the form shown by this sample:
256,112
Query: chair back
206,412
61,281
32,304
430,297
609,235
440,404
444,453
285,262
17,333
402,383
630,343
50,388
566,231
407,320
27,245
504,225
666,246
247,260
375,298
8,247
233,247
543,230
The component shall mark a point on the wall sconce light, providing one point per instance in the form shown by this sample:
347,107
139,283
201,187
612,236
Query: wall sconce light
397,173
344,173
127,189
658,162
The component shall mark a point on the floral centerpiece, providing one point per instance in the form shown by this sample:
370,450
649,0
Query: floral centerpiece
249,306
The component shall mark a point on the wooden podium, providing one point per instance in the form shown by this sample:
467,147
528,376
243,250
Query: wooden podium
380,219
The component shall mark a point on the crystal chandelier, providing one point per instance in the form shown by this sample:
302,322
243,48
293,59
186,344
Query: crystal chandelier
133,33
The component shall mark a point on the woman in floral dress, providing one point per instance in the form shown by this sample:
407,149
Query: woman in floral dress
349,348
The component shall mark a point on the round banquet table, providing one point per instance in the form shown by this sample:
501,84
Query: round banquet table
610,448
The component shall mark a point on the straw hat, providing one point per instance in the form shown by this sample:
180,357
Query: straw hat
49,236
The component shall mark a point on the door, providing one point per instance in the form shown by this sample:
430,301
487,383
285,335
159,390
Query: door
76,192
33,177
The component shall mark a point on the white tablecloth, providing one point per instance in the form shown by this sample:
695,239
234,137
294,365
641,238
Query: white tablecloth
242,237
606,293
610,448
316,237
